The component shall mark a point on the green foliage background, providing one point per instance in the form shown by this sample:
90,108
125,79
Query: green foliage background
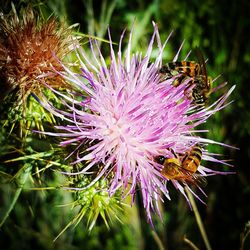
221,30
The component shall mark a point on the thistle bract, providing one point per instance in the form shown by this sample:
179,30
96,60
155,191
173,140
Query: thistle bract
127,117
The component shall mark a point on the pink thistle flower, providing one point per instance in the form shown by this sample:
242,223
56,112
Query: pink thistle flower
128,117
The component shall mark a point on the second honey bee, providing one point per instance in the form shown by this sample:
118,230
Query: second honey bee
185,169
196,71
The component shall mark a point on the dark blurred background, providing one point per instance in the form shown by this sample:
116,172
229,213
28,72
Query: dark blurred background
221,30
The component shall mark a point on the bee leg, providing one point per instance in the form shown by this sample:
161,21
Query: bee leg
188,90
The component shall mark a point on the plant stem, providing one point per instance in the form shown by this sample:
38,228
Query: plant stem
244,235
22,179
198,219
190,243
157,240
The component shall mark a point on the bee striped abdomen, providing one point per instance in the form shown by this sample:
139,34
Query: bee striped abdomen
188,68
180,69
191,160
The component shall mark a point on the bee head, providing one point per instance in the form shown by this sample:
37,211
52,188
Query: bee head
160,159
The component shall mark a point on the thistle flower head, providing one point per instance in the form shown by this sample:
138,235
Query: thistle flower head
127,118
26,46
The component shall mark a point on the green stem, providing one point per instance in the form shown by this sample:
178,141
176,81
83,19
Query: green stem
23,177
244,235
190,243
198,219
157,240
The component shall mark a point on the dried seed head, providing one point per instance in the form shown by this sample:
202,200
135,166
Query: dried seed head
30,48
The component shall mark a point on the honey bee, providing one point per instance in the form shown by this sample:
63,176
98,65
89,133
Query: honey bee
185,169
196,71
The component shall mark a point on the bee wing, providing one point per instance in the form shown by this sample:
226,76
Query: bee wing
200,179
201,62
193,178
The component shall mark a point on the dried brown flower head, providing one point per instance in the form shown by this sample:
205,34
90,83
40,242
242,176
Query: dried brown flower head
28,46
